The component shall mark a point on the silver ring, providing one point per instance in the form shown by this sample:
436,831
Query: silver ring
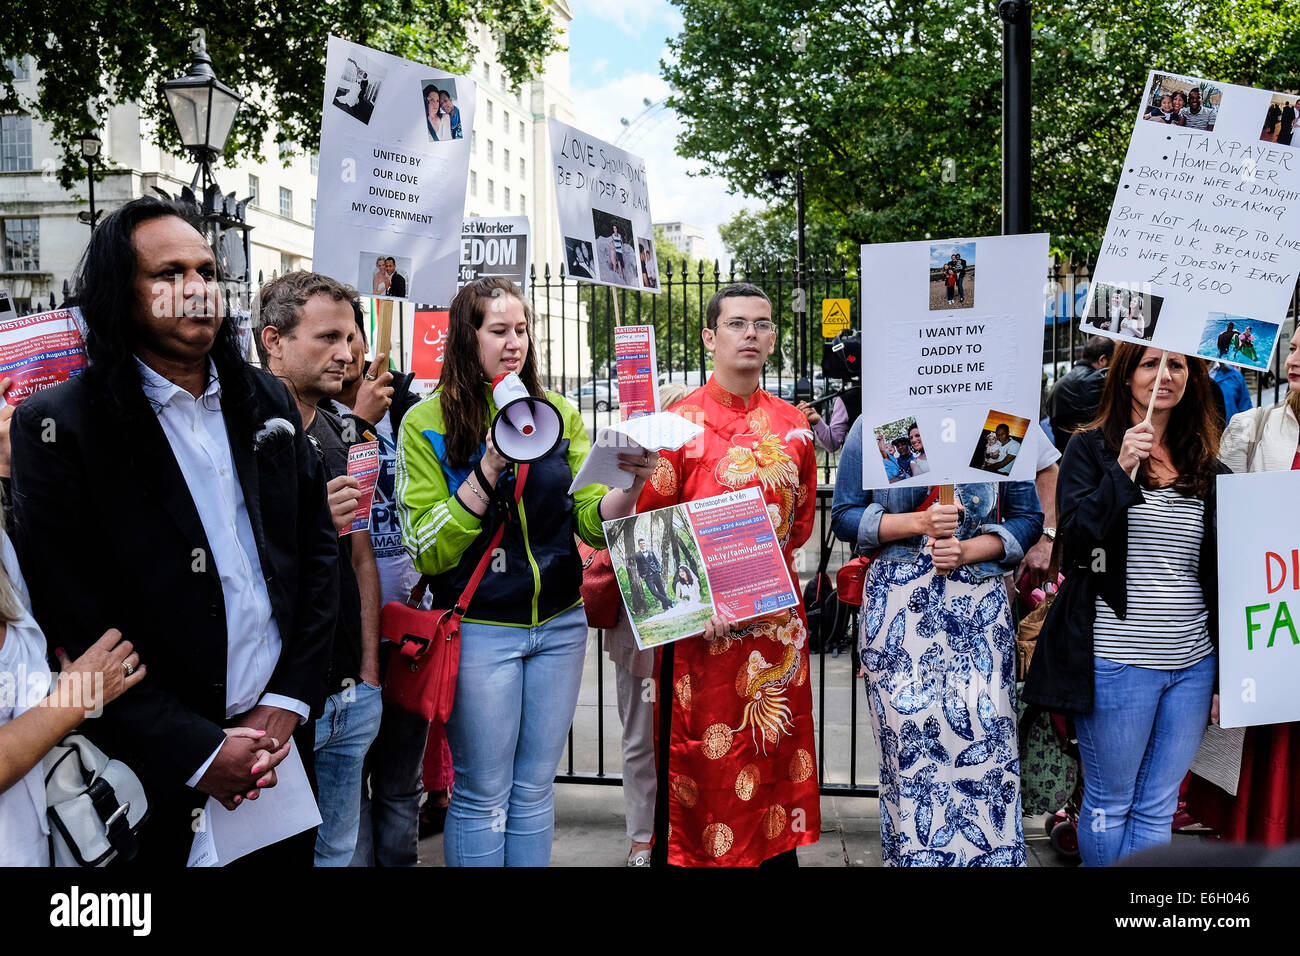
369,377
128,668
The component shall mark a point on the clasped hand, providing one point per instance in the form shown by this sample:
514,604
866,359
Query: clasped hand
939,524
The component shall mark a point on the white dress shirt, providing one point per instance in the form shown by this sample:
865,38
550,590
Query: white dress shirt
196,431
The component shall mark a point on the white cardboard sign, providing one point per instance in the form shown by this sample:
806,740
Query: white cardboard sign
1202,248
952,341
392,174
603,200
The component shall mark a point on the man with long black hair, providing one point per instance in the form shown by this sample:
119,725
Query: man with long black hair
169,491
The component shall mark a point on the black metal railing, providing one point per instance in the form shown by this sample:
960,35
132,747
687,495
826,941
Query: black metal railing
575,323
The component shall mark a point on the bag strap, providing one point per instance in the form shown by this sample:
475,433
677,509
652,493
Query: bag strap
1261,423
467,595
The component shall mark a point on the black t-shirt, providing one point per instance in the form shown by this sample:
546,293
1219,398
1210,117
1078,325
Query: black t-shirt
326,435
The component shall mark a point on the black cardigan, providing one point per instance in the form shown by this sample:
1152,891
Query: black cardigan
1093,496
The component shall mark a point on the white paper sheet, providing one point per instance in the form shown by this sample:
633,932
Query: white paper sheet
278,813
662,431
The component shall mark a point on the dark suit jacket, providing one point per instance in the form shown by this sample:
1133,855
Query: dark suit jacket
108,536
398,286
647,563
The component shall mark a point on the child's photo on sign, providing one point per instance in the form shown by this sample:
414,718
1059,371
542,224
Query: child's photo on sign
358,87
952,276
578,258
999,443
649,267
616,252
902,450
1281,118
1182,101
1123,309
1237,339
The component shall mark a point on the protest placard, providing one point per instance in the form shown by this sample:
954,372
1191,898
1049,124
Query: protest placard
677,567
363,465
1202,248
40,351
952,339
394,161
603,202
1259,598
637,370
494,247
428,347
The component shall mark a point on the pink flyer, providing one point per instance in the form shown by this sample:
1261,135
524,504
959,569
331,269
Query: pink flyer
637,370
41,351
363,465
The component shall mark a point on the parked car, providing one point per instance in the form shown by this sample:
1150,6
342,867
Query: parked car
602,395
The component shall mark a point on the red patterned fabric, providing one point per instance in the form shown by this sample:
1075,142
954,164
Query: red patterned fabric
742,774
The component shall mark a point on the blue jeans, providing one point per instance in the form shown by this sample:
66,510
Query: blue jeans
390,807
1136,747
515,697
343,735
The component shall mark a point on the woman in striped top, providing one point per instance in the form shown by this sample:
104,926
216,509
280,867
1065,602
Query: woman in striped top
1130,645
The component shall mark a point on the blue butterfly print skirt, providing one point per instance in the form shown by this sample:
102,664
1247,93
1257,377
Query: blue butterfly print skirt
939,656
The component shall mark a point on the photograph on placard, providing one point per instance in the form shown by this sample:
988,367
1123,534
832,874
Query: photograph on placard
616,256
1281,119
579,259
357,88
384,274
649,266
1238,339
902,451
1182,101
1124,309
999,443
441,114
660,571
952,276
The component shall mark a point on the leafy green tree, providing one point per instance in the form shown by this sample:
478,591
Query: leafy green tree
99,53
893,107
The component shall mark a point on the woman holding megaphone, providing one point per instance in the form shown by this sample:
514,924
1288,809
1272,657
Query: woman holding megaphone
524,635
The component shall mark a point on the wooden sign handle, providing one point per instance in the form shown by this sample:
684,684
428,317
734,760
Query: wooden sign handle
384,333
1151,405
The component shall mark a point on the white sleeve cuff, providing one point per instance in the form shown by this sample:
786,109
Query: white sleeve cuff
287,703
198,774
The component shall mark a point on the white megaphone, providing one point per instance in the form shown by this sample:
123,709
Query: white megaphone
526,428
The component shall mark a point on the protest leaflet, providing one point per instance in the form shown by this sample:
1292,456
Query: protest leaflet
394,161
40,351
659,431
603,202
1202,248
1259,599
363,465
677,567
952,340
494,247
637,370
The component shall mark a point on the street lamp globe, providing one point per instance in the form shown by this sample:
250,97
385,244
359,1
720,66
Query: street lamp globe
203,107
90,144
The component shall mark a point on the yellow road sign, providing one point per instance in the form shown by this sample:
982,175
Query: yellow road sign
835,317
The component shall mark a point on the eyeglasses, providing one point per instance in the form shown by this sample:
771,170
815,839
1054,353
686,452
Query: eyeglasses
762,326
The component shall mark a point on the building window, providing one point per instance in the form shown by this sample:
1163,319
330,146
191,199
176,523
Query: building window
487,70
15,143
286,152
288,262
315,164
286,203
473,183
505,122
505,198
254,190
490,151
521,168
22,244
521,131
489,106
313,212
523,205
473,142
18,65
505,160
166,162
491,191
